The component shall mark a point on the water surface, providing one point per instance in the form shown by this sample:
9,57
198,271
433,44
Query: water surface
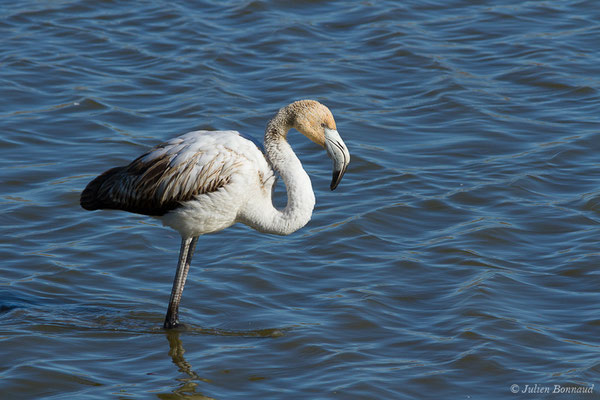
458,258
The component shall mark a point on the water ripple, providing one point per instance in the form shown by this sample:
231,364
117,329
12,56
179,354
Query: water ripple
458,256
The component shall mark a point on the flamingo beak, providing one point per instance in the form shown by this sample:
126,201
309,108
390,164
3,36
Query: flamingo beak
338,152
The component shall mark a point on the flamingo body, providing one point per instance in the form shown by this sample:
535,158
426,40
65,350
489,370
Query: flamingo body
205,181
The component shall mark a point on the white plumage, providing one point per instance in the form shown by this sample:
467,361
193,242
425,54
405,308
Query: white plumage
229,168
205,181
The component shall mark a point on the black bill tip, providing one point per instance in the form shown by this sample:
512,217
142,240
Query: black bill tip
337,178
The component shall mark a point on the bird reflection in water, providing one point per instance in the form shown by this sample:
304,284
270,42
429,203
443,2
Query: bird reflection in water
189,384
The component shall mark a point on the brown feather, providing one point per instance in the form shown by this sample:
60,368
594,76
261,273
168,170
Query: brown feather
152,187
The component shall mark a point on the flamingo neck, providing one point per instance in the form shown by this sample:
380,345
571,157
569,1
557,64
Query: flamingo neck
300,196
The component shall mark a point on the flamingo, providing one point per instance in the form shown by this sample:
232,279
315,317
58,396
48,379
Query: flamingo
206,181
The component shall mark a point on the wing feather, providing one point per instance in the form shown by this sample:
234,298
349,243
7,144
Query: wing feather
168,175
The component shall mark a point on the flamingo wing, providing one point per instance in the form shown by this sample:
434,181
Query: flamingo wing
171,173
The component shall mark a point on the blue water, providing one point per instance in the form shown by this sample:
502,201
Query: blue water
458,258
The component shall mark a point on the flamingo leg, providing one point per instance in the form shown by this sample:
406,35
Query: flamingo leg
185,258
